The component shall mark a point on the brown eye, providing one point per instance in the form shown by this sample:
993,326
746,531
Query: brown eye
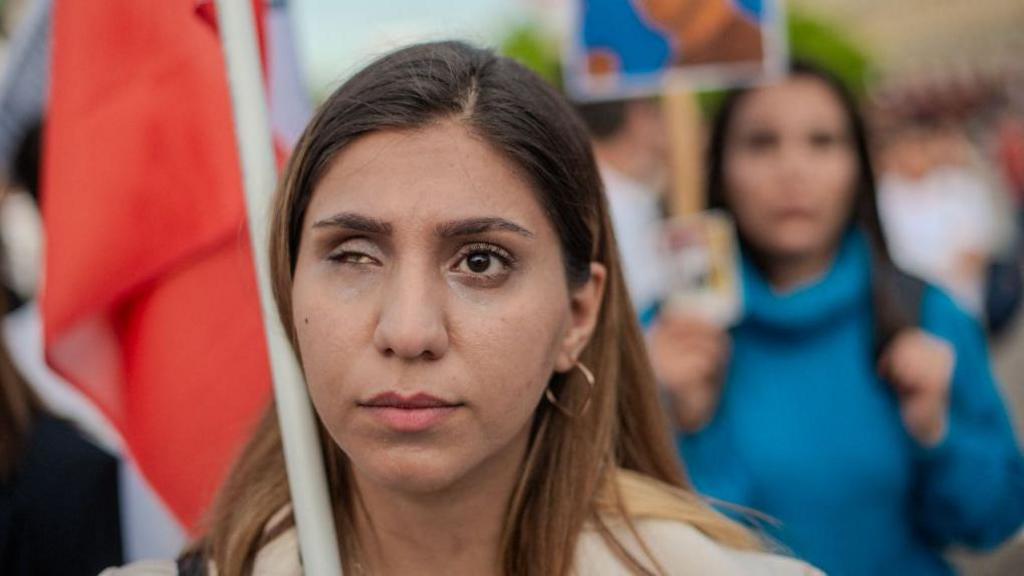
825,139
484,261
760,140
478,262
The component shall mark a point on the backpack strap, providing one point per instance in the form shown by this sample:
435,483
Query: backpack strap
897,298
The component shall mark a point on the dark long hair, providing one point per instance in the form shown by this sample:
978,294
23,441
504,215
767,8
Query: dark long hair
572,463
896,295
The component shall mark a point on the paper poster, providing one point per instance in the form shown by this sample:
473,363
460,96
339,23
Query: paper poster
702,272
629,48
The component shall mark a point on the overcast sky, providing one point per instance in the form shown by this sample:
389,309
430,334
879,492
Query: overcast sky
336,37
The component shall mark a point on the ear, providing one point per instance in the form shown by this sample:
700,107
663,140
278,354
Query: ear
585,309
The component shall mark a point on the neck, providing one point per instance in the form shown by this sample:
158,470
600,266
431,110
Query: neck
455,530
789,273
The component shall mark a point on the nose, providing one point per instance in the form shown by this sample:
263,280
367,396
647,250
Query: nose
794,164
412,323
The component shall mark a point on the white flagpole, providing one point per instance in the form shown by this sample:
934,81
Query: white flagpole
317,540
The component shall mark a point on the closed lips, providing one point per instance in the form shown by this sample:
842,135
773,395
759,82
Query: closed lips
415,402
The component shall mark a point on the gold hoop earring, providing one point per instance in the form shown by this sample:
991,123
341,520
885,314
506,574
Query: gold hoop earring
591,383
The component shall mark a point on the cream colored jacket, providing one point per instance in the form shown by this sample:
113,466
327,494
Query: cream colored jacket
679,548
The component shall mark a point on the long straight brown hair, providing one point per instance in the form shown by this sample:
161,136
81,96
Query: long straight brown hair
577,468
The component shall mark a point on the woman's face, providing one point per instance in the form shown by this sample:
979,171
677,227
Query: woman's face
790,169
431,307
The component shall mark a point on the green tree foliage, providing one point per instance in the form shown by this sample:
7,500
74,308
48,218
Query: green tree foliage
531,45
825,44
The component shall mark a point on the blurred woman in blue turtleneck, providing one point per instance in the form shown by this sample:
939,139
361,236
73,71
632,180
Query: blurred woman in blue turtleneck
852,403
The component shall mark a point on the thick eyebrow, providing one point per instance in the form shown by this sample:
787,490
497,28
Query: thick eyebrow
355,223
472,226
468,227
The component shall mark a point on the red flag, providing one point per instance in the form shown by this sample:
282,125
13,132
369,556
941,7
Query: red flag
149,301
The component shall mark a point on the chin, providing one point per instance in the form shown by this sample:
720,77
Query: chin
795,250
408,469
796,241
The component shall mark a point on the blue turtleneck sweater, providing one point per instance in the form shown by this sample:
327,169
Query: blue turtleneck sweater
808,433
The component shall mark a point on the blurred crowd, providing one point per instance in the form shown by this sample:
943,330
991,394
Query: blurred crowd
854,281
951,180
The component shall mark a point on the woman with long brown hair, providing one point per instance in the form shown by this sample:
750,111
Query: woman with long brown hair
853,403
443,262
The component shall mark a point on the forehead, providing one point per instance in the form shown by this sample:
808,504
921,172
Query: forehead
440,172
798,100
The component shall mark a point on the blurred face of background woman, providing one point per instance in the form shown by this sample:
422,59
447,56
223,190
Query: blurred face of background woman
790,172
434,254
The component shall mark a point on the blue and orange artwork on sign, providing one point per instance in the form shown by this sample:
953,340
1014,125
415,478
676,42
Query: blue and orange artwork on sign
622,48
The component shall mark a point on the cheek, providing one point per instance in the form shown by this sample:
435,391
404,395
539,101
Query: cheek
749,193
838,183
508,350
835,183
512,350
329,335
